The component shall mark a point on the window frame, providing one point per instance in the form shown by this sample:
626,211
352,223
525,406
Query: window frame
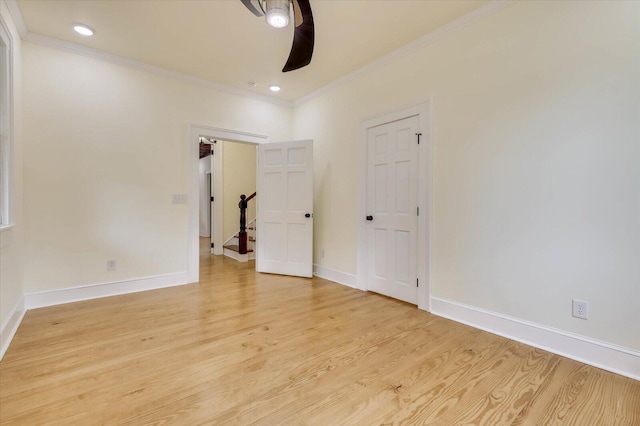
6,131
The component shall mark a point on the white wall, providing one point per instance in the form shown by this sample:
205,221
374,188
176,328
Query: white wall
94,190
205,196
536,162
239,177
11,288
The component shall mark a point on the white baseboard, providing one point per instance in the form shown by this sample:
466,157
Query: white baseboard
10,326
94,291
239,257
594,352
344,278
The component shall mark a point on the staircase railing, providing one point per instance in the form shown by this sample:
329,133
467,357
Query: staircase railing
242,236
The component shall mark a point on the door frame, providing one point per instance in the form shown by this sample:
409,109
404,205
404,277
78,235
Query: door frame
217,192
194,131
208,182
424,185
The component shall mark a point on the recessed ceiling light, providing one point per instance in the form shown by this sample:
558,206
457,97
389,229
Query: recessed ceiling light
274,88
83,30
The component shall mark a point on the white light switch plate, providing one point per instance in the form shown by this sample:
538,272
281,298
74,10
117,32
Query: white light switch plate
179,198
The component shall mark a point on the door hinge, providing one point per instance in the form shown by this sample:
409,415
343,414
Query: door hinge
212,199
211,152
211,245
417,282
417,211
418,135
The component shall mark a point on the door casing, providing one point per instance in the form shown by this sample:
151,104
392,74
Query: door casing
193,200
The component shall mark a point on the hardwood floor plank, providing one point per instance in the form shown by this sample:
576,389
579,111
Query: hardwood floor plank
380,390
506,398
603,401
547,394
242,382
324,368
415,382
246,348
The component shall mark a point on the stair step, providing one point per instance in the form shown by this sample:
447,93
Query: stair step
236,248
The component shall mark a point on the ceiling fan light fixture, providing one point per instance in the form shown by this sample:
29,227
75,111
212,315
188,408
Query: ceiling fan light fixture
277,13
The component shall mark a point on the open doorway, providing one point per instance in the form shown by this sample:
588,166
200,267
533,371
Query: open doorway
227,175
195,132
284,202
238,175
206,199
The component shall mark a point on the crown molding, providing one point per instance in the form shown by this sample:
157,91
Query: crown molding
422,41
68,46
461,22
130,63
18,20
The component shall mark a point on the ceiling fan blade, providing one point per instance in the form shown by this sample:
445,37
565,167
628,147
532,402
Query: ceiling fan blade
253,6
303,36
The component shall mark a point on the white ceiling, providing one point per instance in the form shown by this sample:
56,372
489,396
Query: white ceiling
221,41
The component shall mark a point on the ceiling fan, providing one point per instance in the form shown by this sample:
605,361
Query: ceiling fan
277,14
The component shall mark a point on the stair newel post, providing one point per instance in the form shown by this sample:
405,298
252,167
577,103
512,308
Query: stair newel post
242,236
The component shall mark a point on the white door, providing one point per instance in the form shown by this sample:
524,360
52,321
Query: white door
209,192
284,231
392,209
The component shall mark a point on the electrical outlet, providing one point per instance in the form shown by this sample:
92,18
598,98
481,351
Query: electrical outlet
111,265
580,309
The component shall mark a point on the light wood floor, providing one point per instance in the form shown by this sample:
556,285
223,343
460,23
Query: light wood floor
245,348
